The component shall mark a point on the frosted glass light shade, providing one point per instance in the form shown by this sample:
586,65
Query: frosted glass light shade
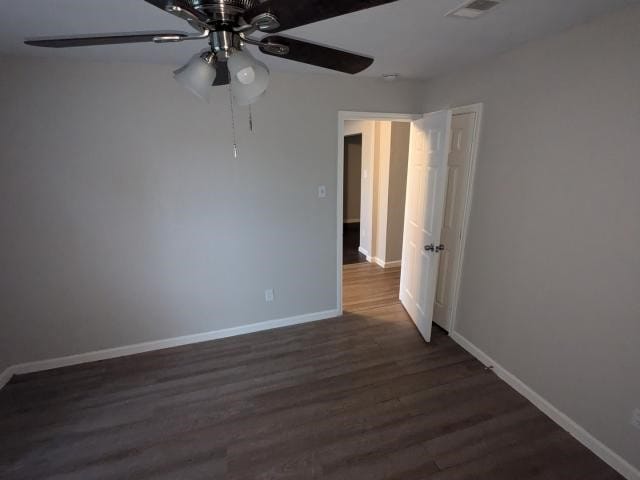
246,76
198,75
249,77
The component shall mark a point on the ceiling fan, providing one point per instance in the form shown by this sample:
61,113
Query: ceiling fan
228,25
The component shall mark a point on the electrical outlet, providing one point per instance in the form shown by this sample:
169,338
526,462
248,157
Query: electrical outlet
268,295
635,418
322,191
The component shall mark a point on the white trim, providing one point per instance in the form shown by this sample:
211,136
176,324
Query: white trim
342,117
383,264
352,220
5,376
614,460
160,344
478,110
369,258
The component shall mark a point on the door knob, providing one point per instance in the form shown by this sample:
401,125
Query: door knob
440,248
430,248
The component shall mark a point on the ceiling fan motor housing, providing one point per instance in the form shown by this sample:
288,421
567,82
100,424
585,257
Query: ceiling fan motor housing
223,42
222,9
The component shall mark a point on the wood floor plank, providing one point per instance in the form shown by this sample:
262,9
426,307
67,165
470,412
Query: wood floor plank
356,397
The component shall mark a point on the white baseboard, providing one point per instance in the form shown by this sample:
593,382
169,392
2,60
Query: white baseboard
5,376
623,467
369,258
378,261
351,220
383,264
94,356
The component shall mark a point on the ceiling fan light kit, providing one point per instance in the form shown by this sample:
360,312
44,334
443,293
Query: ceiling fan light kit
198,75
249,77
227,25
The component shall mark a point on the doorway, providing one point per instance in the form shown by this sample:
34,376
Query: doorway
373,161
352,200
442,150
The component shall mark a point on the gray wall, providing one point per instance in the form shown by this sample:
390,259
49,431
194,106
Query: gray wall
352,177
125,217
551,278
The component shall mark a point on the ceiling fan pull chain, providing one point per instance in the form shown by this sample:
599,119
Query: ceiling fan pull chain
250,119
233,124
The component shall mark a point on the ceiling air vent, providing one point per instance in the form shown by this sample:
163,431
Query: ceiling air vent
474,9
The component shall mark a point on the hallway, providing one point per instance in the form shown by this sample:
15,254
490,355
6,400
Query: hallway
351,244
366,285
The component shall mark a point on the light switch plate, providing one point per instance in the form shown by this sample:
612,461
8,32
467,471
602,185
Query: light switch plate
268,295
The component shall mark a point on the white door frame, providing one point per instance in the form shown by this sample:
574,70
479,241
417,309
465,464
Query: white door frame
342,117
476,108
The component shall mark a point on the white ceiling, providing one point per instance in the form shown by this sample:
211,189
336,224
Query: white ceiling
409,37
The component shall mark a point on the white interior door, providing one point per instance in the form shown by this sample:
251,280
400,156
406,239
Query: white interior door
426,187
462,131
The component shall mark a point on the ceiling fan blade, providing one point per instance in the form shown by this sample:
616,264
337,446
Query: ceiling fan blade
182,9
110,39
295,13
317,55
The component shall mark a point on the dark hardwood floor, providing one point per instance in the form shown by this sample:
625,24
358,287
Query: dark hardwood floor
355,397
351,244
